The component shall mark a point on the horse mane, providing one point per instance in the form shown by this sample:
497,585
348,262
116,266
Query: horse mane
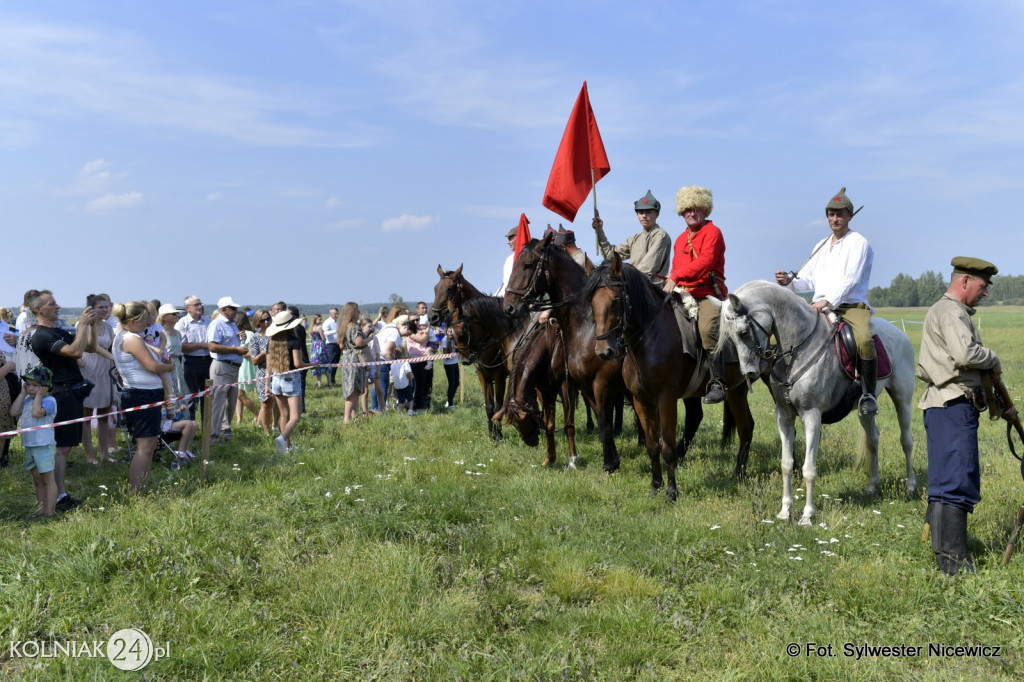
770,296
485,305
644,297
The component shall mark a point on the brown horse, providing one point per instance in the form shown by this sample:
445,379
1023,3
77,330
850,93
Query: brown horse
634,320
534,359
545,277
450,293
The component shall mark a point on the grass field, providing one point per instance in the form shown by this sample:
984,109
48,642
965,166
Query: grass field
411,548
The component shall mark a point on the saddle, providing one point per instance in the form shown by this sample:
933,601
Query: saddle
846,352
685,308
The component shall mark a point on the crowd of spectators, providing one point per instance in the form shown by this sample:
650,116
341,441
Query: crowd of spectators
143,352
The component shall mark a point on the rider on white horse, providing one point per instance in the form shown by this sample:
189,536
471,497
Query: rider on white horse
838,272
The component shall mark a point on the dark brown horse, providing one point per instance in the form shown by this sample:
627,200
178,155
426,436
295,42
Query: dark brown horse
660,365
537,370
450,293
545,277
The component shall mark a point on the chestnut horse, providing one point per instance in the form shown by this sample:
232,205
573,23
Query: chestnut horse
635,321
450,293
546,277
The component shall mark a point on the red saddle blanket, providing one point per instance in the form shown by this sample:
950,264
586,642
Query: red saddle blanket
847,355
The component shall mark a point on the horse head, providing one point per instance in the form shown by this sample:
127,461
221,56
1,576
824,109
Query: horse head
528,283
448,295
751,337
609,302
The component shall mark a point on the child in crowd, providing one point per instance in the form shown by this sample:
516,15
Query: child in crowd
401,379
185,426
37,408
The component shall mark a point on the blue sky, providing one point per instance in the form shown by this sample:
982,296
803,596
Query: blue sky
332,151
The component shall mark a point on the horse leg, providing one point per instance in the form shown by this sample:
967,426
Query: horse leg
569,396
648,415
668,416
603,399
548,398
620,402
738,410
903,415
498,399
694,415
812,434
493,430
869,447
787,434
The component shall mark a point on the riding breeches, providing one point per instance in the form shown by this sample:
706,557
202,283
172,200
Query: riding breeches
707,323
954,472
858,316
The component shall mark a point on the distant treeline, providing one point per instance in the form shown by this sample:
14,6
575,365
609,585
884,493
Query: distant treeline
906,291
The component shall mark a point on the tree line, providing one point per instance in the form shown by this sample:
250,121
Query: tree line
906,291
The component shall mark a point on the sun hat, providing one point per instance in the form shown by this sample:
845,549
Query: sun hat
167,309
227,302
283,321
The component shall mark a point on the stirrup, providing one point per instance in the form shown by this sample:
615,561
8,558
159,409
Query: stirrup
868,406
715,394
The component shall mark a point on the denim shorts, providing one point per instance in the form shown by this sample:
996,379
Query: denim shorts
286,385
40,457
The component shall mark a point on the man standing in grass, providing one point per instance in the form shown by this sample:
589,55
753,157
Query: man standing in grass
954,364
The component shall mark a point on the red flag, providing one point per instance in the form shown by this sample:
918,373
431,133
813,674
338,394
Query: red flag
522,234
580,151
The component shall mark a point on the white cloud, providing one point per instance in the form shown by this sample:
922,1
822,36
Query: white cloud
332,203
115,201
346,225
408,223
214,196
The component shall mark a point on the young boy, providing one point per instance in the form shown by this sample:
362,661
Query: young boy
38,408
401,379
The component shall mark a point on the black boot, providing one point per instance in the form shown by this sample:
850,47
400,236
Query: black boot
716,391
949,538
868,370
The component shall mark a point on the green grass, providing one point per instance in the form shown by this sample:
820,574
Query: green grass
403,548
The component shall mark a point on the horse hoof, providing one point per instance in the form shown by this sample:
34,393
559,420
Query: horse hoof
548,462
672,494
783,515
805,521
571,464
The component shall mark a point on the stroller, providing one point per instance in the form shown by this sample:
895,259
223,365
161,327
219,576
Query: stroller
165,450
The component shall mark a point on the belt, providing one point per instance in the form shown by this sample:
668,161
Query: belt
229,362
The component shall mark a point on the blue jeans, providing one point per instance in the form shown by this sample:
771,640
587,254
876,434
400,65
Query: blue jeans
377,403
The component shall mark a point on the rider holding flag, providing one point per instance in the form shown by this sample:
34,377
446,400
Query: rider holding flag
838,272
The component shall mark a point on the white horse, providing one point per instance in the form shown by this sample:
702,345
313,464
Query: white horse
808,381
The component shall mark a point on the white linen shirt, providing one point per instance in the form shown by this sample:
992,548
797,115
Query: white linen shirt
506,273
330,329
838,273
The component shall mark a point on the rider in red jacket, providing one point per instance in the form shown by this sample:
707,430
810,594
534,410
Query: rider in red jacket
698,266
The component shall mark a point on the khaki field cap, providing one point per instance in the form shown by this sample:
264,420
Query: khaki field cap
511,234
975,267
840,201
647,202
694,197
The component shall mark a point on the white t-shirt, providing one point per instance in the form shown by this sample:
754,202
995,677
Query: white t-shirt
506,274
400,374
389,333
330,329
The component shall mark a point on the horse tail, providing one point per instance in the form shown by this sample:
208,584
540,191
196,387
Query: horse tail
728,425
863,453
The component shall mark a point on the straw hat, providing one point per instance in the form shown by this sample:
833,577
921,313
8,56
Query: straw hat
283,321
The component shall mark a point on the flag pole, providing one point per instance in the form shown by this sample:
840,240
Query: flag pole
593,188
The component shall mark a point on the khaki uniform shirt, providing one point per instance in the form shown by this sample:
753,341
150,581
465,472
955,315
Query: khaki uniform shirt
580,258
648,251
952,358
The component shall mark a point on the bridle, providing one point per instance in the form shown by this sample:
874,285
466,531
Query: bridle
454,301
529,296
620,328
776,357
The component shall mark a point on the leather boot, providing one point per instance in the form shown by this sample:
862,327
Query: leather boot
949,538
716,390
868,370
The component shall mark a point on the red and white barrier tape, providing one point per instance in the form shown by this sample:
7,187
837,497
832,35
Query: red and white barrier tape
79,420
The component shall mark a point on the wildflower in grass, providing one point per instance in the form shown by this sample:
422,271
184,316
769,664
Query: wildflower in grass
103,486
348,491
730,552
900,525
767,521
715,527
797,558
327,494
